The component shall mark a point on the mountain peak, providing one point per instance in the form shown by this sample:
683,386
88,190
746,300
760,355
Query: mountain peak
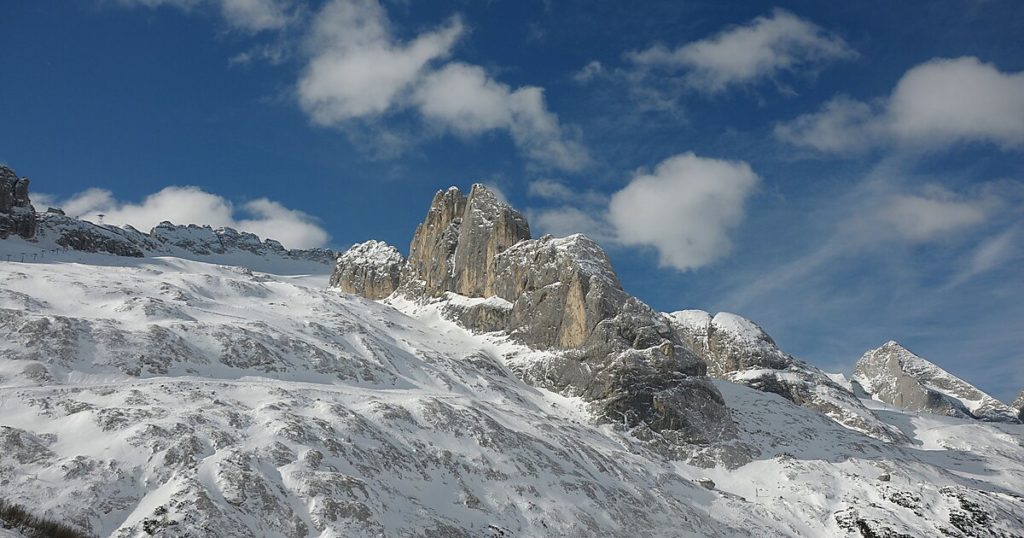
897,376
557,295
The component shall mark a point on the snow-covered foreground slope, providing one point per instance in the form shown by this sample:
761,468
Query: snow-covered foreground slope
160,395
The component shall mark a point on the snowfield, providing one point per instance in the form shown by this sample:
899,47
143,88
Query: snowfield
175,397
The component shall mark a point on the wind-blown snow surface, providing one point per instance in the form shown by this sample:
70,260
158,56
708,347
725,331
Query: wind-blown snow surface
187,398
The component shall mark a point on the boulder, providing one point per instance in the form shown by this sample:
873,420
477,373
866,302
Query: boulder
371,269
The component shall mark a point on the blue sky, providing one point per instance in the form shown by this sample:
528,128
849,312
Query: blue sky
843,174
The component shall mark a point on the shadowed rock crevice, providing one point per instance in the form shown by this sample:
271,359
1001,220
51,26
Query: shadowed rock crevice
475,255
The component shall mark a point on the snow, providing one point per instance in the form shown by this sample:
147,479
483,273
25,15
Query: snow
741,328
284,409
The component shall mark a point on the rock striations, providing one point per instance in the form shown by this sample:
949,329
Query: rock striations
475,255
17,216
898,377
738,350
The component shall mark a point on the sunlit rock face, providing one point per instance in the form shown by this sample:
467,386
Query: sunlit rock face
475,254
17,216
898,377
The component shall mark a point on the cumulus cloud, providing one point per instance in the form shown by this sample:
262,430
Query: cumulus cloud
935,104
192,205
685,209
245,15
358,70
758,50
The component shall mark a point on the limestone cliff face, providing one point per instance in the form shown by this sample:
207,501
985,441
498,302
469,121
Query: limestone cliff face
433,245
475,255
455,247
17,216
488,228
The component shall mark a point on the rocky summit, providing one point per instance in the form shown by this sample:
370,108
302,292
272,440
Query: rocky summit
893,374
17,216
551,294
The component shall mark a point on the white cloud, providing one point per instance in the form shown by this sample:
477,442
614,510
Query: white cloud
685,209
245,15
463,98
568,220
761,49
555,191
937,103
359,70
589,72
192,205
926,217
842,125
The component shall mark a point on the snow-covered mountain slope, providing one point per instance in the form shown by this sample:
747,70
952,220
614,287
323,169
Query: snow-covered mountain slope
893,374
161,395
738,350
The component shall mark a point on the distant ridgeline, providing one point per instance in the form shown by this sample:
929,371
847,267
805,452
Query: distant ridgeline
18,217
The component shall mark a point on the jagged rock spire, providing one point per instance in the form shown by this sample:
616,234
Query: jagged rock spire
17,216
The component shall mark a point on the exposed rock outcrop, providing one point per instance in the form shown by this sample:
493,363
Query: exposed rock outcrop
738,350
474,254
17,216
1018,404
371,269
898,377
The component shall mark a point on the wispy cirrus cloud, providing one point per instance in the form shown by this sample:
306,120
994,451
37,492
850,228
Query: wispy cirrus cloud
762,49
244,15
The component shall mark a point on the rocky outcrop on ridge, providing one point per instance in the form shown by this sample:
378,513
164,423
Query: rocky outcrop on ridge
371,269
474,254
1018,404
17,216
738,350
53,229
898,377
165,239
